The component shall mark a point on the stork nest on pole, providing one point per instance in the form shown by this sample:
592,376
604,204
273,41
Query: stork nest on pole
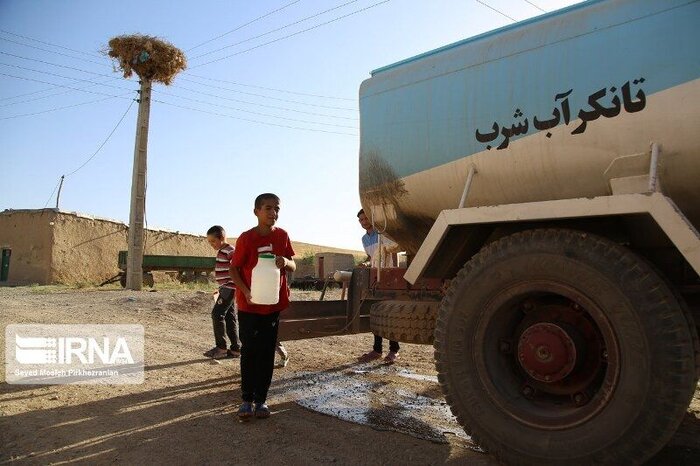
150,58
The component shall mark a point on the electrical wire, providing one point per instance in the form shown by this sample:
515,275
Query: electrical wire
103,142
542,10
64,107
275,30
263,105
91,81
255,113
179,77
51,51
43,97
496,10
238,28
58,85
27,93
111,77
52,193
117,78
272,98
254,121
262,87
293,34
51,43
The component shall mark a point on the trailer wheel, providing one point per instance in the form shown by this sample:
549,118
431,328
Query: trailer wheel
404,321
557,346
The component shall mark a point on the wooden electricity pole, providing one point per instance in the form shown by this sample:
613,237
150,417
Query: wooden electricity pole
134,268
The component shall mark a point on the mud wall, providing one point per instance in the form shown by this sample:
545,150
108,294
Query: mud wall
331,262
54,247
85,249
29,235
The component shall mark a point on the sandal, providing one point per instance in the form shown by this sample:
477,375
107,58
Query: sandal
284,357
371,356
216,353
391,357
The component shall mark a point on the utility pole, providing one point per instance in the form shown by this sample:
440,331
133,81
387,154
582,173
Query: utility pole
58,196
134,263
153,60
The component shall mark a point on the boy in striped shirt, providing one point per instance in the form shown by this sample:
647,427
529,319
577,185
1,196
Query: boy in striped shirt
223,314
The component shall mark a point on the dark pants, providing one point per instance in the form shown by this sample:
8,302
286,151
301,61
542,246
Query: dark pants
225,320
393,345
258,341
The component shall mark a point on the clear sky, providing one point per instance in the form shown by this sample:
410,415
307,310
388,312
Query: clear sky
277,112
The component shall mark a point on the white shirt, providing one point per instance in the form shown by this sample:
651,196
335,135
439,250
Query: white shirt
370,241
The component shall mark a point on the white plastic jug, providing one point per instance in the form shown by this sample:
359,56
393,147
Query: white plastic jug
265,281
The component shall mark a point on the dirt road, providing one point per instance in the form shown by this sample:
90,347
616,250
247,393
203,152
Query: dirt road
326,408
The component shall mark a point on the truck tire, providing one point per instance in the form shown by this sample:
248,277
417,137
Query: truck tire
404,321
558,346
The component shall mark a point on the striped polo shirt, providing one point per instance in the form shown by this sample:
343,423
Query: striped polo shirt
223,261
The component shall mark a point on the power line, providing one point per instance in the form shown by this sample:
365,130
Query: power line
105,141
244,25
256,113
202,84
64,107
272,98
52,193
542,10
254,121
52,51
51,43
264,88
27,93
276,30
263,105
92,82
59,85
294,34
44,96
62,76
59,65
497,11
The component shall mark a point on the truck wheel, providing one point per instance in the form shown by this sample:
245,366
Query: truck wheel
557,346
404,321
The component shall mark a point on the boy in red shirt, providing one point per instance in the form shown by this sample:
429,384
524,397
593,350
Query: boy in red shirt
258,324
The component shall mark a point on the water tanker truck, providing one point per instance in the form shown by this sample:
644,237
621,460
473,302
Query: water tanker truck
544,181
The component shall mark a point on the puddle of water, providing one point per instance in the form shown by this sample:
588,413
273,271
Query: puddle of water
357,397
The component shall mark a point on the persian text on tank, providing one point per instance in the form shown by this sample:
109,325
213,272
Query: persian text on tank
609,110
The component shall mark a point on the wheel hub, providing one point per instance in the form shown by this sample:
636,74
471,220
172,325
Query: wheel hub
546,352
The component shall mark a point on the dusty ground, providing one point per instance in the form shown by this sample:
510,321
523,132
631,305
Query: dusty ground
184,412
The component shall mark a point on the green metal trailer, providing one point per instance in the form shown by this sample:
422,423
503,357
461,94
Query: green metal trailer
189,268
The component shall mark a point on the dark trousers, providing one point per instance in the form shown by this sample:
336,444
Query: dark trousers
258,341
225,319
393,345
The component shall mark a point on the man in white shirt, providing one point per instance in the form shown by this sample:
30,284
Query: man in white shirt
372,244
